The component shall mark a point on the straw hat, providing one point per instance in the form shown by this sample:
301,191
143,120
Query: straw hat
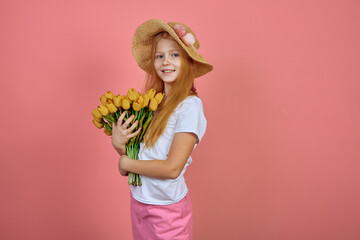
143,37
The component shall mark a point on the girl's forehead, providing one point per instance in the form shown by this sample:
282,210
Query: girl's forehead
167,44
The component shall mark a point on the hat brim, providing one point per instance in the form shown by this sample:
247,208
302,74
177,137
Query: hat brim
142,44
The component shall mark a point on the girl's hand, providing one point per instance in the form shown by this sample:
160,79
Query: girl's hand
122,171
121,133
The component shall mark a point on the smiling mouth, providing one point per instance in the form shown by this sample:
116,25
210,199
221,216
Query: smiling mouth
167,71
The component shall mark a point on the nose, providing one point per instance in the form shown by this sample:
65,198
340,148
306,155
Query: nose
166,60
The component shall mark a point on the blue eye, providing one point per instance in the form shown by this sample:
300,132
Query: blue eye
176,55
158,56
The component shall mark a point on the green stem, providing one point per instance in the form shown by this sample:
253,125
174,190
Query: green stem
138,139
107,127
132,152
117,115
107,118
111,117
146,124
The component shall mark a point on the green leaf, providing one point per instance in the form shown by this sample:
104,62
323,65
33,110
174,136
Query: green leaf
110,116
107,118
107,127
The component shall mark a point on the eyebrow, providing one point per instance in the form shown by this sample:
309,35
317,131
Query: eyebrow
171,50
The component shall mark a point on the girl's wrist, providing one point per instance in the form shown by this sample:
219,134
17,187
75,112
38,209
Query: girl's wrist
121,150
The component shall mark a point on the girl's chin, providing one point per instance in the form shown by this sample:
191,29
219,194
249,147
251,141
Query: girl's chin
168,80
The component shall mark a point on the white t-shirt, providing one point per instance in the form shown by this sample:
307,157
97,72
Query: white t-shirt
187,117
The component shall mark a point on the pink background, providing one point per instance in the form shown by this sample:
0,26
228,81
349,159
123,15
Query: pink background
280,158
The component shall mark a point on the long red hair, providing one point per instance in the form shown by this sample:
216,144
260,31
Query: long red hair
182,87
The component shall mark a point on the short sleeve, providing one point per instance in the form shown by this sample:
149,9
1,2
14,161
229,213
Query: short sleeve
190,117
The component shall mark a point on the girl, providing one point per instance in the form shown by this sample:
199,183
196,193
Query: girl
161,207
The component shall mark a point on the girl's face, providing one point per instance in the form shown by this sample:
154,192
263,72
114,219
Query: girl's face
167,60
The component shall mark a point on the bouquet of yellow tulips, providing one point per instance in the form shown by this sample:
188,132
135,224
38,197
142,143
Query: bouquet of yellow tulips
142,106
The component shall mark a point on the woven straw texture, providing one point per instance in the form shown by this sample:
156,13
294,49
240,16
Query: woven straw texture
143,40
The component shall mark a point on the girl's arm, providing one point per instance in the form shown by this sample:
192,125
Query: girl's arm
122,171
181,147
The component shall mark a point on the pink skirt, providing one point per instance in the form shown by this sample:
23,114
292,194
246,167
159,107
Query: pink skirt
150,222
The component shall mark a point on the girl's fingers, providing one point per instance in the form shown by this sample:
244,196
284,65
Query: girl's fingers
133,126
126,124
135,133
121,118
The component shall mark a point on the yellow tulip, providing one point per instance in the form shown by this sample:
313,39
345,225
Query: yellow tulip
96,114
107,132
146,100
159,97
110,105
132,94
153,104
125,103
103,110
136,106
151,93
99,120
97,124
141,101
103,99
117,100
109,94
